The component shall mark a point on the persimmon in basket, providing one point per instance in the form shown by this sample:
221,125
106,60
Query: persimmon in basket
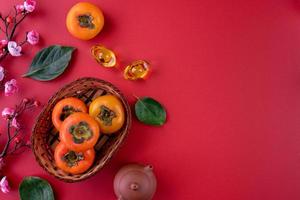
66,107
71,161
78,163
108,112
79,132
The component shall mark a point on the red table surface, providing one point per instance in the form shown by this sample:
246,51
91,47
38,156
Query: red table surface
228,73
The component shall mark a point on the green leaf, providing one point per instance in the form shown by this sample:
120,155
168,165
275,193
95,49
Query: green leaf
150,112
35,188
50,62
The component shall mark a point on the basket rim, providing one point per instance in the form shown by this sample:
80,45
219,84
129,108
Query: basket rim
126,130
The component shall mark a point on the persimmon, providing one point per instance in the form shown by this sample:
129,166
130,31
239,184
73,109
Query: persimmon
85,20
66,107
79,132
108,112
71,161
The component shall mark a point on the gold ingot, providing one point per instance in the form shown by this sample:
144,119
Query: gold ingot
137,70
104,56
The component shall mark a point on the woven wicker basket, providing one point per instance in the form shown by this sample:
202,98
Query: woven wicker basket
45,137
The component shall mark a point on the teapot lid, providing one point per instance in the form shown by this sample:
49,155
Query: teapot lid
135,182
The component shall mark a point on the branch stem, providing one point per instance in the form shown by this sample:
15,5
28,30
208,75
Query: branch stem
4,152
16,23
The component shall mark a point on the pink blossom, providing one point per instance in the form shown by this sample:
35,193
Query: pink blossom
14,49
15,123
33,37
4,185
1,73
29,5
11,87
20,8
8,113
17,140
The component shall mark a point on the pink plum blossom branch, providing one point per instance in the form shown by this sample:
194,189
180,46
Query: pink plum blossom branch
15,139
14,129
10,23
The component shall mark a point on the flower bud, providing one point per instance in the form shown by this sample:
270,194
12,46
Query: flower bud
11,87
17,140
33,37
29,5
8,113
36,103
20,8
25,100
9,19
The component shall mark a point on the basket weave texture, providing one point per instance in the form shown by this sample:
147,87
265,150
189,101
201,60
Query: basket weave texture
45,137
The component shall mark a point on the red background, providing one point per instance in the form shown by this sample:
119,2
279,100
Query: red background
228,73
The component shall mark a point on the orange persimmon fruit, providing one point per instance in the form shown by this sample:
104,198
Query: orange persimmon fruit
73,162
79,132
108,112
66,107
85,20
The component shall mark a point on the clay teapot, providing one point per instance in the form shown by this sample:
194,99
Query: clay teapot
135,182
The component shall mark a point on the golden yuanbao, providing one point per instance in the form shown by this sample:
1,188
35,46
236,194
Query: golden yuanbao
104,56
